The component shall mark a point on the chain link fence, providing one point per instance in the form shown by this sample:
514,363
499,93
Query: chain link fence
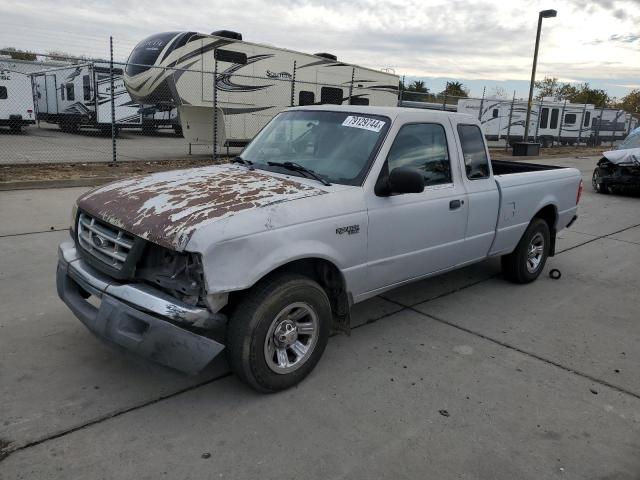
63,109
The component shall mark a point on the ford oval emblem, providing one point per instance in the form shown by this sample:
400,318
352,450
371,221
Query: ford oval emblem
98,241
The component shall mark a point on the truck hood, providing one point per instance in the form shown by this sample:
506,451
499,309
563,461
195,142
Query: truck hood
167,207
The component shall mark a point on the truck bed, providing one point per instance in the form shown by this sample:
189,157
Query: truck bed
505,167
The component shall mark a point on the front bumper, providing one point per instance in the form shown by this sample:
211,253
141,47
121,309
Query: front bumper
134,316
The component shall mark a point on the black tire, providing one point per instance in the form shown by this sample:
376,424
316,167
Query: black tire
255,317
544,141
515,266
599,187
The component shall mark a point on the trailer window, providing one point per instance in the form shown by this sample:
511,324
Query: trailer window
86,87
62,92
587,119
570,118
3,93
330,95
544,118
555,113
306,98
359,101
474,152
422,146
495,113
70,92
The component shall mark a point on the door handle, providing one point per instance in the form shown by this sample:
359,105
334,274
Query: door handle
455,204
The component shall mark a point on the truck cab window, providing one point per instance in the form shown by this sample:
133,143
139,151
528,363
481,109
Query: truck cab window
3,93
555,113
422,146
331,95
570,118
474,152
86,88
70,93
306,98
544,118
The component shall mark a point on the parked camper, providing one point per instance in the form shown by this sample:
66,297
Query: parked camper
550,121
16,100
80,96
610,124
254,83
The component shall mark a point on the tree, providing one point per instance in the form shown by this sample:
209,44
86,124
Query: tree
582,93
418,86
630,102
16,54
455,89
547,87
498,92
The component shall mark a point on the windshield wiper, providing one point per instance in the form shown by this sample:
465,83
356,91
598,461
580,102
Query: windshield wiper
296,167
243,161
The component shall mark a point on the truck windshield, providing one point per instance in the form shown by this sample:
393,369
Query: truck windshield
338,146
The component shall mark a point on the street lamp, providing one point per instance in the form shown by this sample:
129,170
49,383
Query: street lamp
541,15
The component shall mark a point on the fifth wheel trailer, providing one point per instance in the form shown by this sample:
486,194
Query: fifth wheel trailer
254,83
80,96
16,100
550,121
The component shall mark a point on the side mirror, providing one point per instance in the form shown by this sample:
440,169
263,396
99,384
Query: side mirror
405,180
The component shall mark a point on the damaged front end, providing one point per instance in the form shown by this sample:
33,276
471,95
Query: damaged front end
147,298
609,176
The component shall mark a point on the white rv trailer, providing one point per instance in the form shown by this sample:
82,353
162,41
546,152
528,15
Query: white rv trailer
80,96
611,124
550,121
254,82
16,100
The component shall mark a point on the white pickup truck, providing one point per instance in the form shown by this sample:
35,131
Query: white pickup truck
326,207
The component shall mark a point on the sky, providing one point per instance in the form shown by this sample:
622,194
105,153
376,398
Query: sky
483,43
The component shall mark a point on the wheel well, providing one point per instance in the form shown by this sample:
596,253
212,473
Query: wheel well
549,215
328,276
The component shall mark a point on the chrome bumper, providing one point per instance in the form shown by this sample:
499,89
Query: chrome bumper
134,316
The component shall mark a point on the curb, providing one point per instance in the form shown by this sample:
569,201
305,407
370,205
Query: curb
62,183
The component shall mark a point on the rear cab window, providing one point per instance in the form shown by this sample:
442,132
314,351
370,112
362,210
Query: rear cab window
476,162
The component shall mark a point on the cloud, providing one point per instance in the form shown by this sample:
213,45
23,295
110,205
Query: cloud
465,39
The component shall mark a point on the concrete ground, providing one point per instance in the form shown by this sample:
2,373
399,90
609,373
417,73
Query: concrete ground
460,376
47,144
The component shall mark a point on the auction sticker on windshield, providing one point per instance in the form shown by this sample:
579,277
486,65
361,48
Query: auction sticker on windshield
365,123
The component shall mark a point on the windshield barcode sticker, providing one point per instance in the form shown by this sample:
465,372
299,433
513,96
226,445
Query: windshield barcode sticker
363,122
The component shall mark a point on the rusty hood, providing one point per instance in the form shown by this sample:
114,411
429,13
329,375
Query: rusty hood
167,207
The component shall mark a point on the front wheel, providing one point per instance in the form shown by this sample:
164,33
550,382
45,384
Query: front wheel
598,186
526,262
279,331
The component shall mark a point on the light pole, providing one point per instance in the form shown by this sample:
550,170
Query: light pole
541,15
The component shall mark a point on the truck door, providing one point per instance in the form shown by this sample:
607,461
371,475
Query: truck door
412,235
483,198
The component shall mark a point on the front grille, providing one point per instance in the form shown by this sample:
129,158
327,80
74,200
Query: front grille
105,242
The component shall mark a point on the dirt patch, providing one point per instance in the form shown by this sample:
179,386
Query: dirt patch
499,153
87,171
42,172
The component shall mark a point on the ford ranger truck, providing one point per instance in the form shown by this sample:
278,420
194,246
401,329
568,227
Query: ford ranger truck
328,206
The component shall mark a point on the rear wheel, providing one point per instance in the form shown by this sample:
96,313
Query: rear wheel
526,262
278,333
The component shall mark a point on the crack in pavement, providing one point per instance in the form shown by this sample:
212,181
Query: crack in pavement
7,235
10,449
